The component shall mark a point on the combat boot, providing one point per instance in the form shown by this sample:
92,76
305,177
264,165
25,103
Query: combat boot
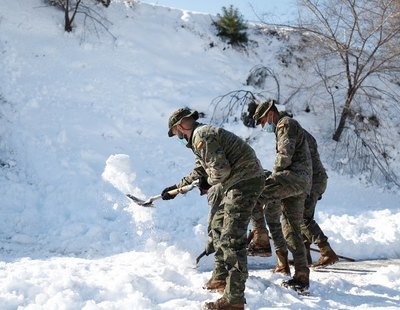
282,265
308,255
223,304
259,244
300,281
215,285
328,256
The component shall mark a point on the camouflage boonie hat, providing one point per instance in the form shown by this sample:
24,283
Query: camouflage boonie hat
177,117
263,109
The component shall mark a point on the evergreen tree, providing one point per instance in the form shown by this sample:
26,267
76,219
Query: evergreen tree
230,25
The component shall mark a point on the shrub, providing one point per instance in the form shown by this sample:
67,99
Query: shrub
230,25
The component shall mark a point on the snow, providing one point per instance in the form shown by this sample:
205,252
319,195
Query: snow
83,121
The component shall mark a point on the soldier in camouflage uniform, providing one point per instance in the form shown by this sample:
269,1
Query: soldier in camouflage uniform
258,240
312,233
288,186
225,159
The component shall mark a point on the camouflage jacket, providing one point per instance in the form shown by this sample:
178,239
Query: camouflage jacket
318,169
292,152
221,156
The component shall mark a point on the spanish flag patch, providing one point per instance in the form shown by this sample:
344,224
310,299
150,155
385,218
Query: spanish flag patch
199,144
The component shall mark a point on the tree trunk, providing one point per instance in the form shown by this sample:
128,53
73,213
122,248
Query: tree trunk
343,118
67,21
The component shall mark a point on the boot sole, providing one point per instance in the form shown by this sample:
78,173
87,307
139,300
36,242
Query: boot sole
216,290
261,254
322,265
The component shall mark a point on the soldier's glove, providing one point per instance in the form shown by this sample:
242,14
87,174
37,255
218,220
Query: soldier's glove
165,195
267,173
209,248
203,185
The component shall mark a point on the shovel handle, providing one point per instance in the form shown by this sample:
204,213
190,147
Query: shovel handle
184,189
180,190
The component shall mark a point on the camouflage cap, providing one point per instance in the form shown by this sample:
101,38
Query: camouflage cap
263,109
177,117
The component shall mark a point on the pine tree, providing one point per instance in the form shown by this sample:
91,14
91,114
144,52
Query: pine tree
230,25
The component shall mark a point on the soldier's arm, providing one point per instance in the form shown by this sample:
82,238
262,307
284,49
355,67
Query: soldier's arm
286,145
196,173
218,167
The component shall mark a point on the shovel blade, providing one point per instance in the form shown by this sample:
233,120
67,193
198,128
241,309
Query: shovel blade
140,202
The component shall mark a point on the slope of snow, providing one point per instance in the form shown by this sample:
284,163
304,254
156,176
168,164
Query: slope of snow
83,120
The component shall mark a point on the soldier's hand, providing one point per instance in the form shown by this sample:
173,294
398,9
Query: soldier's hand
267,173
209,247
165,195
203,185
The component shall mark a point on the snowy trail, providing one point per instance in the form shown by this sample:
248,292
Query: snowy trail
167,280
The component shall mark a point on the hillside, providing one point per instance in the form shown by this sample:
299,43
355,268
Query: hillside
83,120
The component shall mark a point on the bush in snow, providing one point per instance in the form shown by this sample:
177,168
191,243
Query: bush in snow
230,25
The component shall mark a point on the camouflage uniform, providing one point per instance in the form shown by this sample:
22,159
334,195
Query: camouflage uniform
310,229
257,219
229,161
258,239
215,224
288,186
312,233
270,216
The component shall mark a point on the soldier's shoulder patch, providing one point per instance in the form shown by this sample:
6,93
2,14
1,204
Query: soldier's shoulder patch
199,144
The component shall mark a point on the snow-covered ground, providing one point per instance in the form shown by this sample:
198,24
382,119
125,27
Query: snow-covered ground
83,120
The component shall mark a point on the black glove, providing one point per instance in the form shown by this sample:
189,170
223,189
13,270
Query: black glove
165,195
267,173
203,185
209,247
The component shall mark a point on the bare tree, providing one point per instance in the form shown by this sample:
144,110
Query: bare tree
227,106
364,36
243,103
73,7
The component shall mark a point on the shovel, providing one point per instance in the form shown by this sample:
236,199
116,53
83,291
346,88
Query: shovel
149,202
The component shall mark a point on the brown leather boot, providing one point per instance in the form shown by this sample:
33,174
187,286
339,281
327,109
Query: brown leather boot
283,264
259,244
215,285
300,281
328,256
223,304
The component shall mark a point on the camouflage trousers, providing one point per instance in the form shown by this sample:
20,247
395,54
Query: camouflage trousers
228,227
214,197
284,207
272,215
311,231
257,219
